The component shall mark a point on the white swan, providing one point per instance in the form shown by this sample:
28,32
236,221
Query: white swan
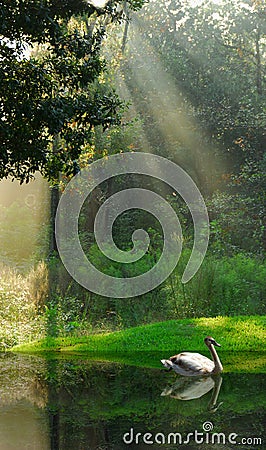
194,364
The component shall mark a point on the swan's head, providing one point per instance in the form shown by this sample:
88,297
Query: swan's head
210,341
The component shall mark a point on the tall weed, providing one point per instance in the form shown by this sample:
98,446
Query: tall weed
19,318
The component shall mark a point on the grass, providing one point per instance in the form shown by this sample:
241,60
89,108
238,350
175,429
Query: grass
237,335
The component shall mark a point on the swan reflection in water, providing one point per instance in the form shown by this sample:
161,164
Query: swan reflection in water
193,388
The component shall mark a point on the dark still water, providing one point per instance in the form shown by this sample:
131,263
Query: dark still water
77,404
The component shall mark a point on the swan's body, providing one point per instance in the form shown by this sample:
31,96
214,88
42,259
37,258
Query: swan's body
195,364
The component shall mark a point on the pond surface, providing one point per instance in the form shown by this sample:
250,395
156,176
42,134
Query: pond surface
78,404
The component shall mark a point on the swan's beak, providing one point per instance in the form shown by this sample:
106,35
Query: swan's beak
216,343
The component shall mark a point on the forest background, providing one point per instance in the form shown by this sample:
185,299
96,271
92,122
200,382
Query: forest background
181,79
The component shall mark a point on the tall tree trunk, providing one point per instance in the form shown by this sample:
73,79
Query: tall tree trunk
53,207
258,63
53,253
54,202
125,34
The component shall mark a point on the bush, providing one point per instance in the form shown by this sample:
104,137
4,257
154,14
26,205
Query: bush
236,225
225,286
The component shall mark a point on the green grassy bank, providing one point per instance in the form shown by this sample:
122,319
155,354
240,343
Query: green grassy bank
242,341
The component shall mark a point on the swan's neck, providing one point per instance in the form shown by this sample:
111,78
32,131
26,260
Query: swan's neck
217,363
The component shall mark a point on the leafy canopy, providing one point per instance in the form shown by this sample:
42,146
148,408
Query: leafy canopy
51,100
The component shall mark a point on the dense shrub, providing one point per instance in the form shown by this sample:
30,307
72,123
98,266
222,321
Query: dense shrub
223,286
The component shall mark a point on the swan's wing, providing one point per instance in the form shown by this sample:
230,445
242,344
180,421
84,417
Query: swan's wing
192,362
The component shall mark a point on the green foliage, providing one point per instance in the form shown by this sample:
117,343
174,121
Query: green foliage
51,320
230,215
243,280
223,286
54,92
209,62
211,51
